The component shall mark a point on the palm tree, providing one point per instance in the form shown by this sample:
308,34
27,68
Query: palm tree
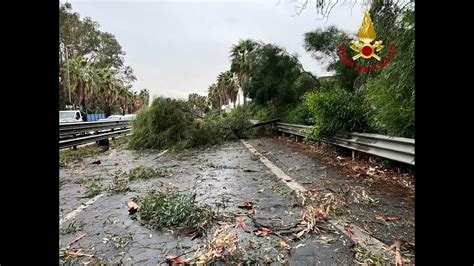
213,96
83,79
108,87
227,88
123,97
240,64
144,96
198,102
132,97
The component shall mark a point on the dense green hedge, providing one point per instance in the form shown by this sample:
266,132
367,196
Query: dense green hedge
335,109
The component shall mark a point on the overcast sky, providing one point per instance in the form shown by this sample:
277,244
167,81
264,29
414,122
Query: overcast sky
179,47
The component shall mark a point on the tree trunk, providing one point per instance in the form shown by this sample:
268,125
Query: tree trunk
83,104
107,110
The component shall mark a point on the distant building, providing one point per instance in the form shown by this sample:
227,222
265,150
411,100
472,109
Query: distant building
238,102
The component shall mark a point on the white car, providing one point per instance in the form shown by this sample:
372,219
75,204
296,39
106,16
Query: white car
70,116
112,117
129,117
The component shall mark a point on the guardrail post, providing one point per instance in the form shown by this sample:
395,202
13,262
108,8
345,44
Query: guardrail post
353,155
104,142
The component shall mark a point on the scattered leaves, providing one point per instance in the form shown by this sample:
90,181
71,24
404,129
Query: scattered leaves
255,157
348,229
119,182
396,248
254,244
284,245
367,228
240,223
386,219
82,235
263,231
247,205
324,240
143,172
175,260
222,246
78,254
117,241
93,189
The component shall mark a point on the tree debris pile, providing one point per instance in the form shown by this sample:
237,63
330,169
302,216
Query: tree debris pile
177,211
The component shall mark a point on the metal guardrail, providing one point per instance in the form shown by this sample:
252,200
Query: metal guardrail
72,134
257,123
294,129
83,127
91,138
393,148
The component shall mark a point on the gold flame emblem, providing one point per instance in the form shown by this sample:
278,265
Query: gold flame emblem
366,34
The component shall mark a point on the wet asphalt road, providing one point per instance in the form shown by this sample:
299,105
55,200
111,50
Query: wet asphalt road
223,177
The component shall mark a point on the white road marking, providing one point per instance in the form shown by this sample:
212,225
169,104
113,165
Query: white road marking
72,214
275,170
